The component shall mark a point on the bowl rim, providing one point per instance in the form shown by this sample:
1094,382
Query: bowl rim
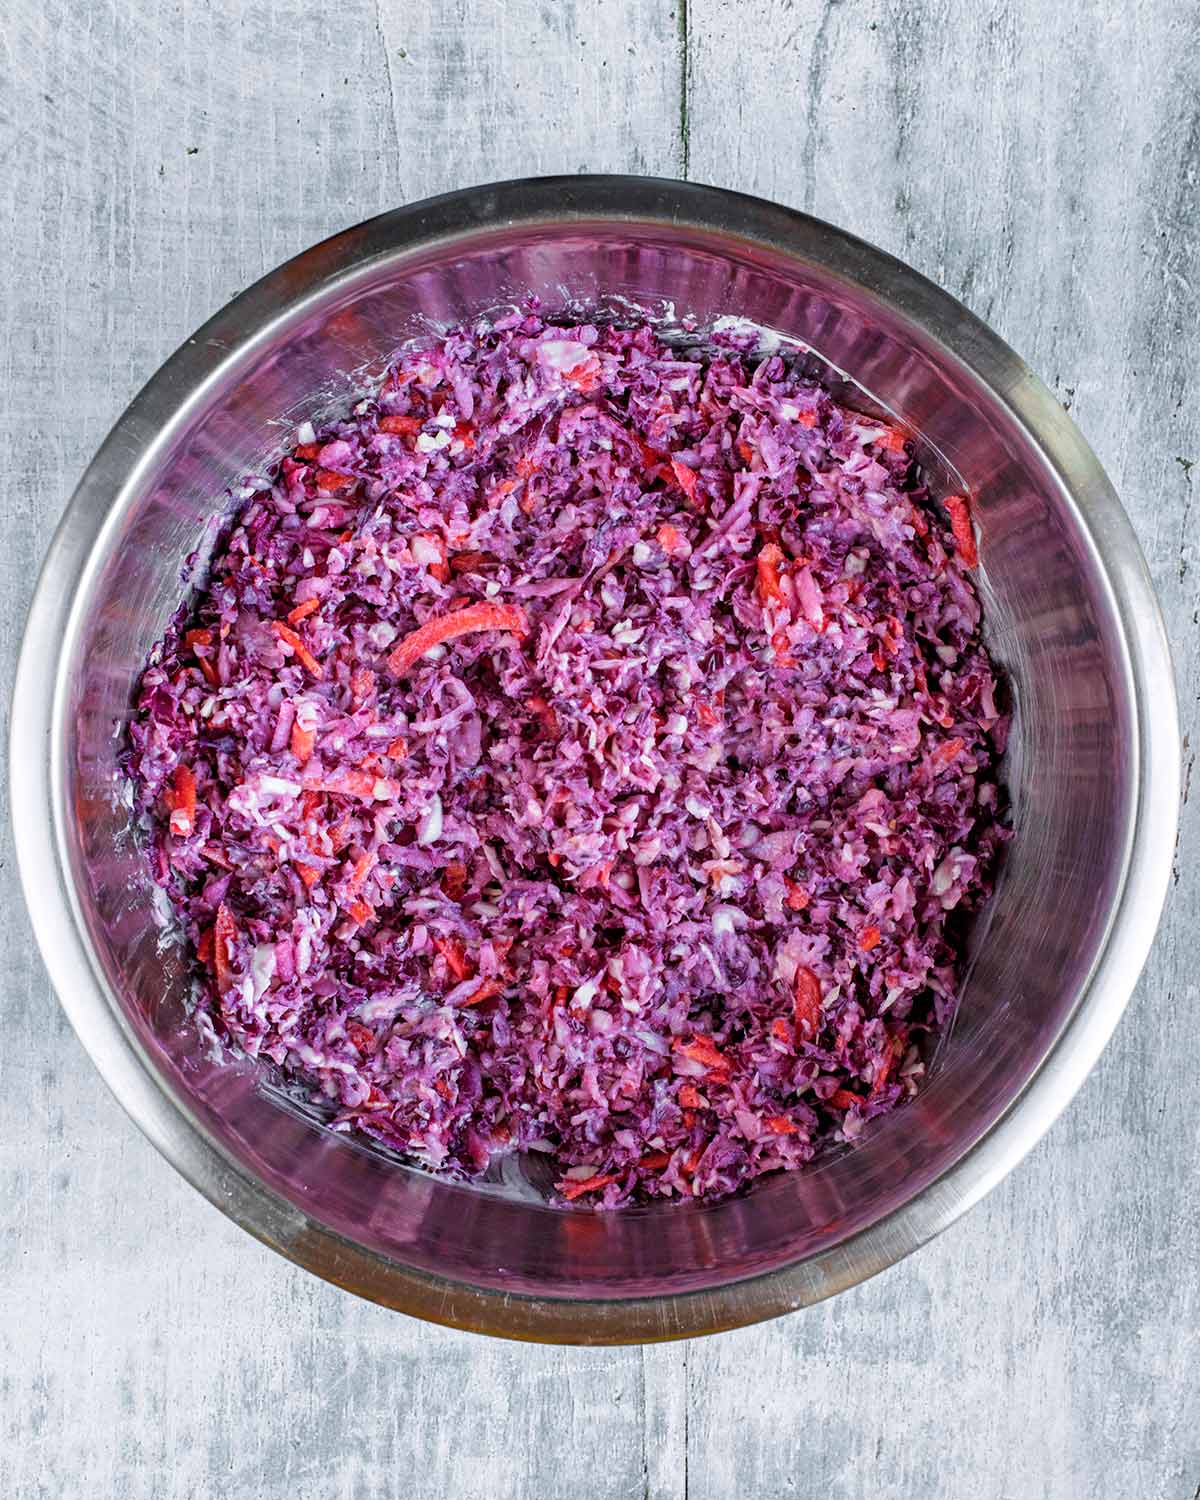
166,402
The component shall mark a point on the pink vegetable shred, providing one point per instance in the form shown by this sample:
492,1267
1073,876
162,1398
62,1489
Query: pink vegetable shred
586,747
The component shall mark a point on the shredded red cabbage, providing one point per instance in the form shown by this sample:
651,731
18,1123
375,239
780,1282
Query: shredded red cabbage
586,747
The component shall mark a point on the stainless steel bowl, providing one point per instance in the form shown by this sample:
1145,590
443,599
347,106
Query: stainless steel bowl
1094,769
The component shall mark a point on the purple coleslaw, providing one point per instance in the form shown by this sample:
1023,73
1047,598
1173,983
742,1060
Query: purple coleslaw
586,747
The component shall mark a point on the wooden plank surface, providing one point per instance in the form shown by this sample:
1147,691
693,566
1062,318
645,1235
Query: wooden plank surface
1042,163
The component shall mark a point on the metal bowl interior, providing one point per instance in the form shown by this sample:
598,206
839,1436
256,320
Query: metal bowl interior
1093,770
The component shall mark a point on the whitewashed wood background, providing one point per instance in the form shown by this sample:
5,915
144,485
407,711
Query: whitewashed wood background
1039,158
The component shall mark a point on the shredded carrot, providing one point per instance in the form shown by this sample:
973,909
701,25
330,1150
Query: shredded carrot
362,784
457,962
483,991
807,1004
359,1036
363,866
402,426
585,376
797,897
571,1189
685,477
224,937
302,611
360,911
180,800
309,874
706,715
439,568
546,714
868,938
703,1049
781,1125
892,440
441,628
844,1099
945,752
668,537
303,742
329,482
689,1097
959,509
454,881
768,564
195,638
303,655
884,1071
655,1161
781,1031
306,451
362,684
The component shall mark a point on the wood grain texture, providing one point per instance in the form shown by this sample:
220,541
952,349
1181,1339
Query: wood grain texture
1040,162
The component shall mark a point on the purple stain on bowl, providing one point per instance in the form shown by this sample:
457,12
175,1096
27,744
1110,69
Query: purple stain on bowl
586,747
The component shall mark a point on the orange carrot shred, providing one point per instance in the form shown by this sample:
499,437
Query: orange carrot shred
483,991
456,960
868,938
224,937
180,800
706,715
406,426
768,563
303,742
797,897
959,510
363,866
703,1049
359,1036
441,628
654,1161
686,478
946,752
668,537
807,1004
302,611
575,1189
329,482
303,655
